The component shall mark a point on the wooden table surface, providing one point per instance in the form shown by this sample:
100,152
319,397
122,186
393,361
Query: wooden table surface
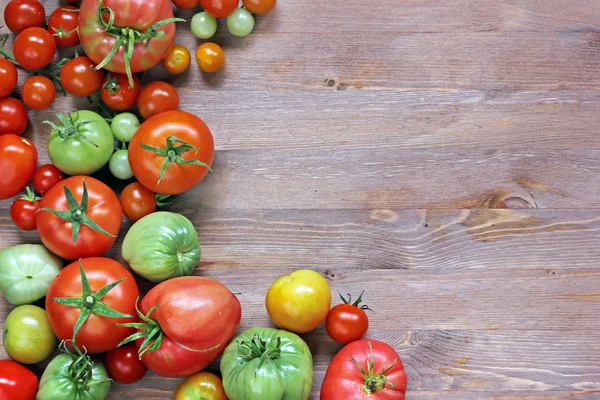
442,155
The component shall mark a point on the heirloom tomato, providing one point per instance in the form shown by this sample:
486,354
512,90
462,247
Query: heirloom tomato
18,158
16,381
187,322
171,152
203,385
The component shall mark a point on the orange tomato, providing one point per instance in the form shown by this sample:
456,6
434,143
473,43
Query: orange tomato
259,6
210,57
203,385
177,60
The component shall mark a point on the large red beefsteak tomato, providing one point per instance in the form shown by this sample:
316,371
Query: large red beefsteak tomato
186,324
126,36
365,370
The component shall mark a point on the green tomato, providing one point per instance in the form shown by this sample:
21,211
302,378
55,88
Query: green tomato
26,271
119,165
204,25
267,364
162,246
81,143
59,382
124,126
240,22
28,337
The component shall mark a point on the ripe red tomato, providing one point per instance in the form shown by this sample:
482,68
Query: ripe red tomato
95,223
23,209
62,24
8,77
210,57
16,381
365,370
13,116
18,158
220,8
137,201
22,14
259,6
79,78
34,48
124,365
68,298
188,156
38,92
117,94
347,322
189,334
186,4
45,178
157,97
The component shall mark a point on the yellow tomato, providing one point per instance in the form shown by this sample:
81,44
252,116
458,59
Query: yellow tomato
177,60
201,386
299,302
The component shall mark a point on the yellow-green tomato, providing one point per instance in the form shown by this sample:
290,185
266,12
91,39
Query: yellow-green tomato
299,302
201,386
27,337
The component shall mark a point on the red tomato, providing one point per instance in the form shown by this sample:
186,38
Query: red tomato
124,365
16,381
117,94
157,97
220,8
68,298
153,145
259,6
186,4
38,92
18,158
13,116
45,178
365,369
8,77
79,78
95,224
210,57
347,322
23,209
189,334
34,48
22,14
62,24
136,16
137,201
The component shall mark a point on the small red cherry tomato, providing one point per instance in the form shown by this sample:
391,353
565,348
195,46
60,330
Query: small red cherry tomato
13,117
45,178
34,48
117,94
157,97
347,322
124,365
8,77
38,92
79,78
62,25
22,14
23,209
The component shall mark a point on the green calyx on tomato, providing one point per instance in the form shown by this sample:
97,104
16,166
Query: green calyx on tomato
90,303
149,330
70,128
172,154
112,85
30,195
77,214
356,302
127,37
374,382
265,350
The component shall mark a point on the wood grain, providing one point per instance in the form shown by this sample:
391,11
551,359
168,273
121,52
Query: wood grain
444,156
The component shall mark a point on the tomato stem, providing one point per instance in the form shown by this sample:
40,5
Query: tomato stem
69,127
374,382
149,330
30,196
163,201
259,348
8,55
357,302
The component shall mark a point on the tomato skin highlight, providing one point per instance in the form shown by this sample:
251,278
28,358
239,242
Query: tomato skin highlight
62,25
157,97
38,92
34,48
46,177
8,77
124,366
22,14
79,78
117,94
13,117
16,381
18,158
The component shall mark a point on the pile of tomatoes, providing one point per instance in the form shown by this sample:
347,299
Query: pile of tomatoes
93,311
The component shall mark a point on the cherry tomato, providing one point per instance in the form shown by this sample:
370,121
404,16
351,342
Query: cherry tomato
79,78
220,8
259,6
210,57
157,97
13,116
8,77
347,322
45,178
137,201
124,365
177,60
23,209
38,92
117,94
62,24
18,158
186,4
34,48
22,14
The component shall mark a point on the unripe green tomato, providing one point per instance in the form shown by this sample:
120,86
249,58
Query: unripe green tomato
119,165
204,25
240,23
124,126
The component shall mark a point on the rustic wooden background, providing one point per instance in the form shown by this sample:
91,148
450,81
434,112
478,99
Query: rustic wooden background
444,156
